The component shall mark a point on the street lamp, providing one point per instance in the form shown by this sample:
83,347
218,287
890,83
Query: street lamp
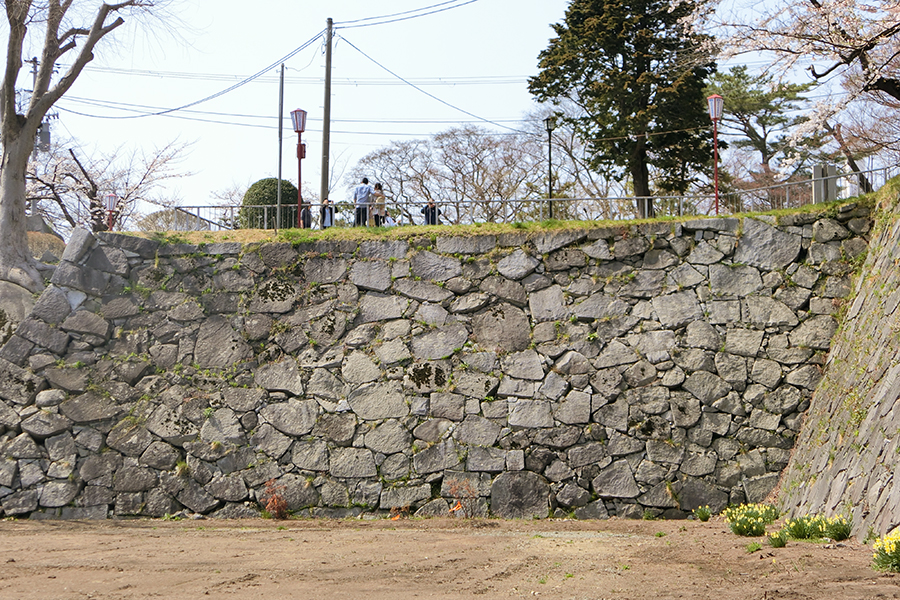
298,118
110,201
716,106
550,123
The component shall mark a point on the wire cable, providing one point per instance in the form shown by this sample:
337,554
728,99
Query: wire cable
349,25
432,96
227,90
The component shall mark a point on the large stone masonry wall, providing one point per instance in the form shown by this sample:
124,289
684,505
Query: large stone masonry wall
601,371
846,456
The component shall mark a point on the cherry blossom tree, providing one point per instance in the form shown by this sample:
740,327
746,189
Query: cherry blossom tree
64,30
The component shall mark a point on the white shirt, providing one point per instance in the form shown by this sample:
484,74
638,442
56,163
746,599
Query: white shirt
362,195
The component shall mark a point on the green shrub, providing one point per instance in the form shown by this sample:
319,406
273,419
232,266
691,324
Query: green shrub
702,513
265,193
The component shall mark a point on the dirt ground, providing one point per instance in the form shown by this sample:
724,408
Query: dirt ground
440,558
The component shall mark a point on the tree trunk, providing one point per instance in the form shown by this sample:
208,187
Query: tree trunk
16,263
640,177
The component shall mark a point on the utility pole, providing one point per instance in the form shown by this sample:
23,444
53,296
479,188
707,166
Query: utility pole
280,140
326,120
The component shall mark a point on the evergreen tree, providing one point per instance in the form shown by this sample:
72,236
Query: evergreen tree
761,110
638,75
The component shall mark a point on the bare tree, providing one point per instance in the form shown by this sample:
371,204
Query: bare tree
68,186
61,38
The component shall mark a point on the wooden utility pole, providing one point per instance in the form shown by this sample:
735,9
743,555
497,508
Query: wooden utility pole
326,120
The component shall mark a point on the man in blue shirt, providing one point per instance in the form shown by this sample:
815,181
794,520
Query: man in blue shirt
362,197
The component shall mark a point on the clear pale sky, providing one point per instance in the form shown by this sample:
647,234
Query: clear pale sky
475,56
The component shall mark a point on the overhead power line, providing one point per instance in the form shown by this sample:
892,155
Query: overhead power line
430,95
349,81
227,90
397,17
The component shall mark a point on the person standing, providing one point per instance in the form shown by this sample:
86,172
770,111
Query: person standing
431,213
326,214
306,217
379,208
362,197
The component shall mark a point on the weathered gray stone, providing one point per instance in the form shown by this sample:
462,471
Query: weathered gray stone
371,275
706,386
384,249
375,401
548,305
705,253
520,495
52,307
404,496
502,325
600,306
294,417
616,481
219,345
42,425
228,488
439,457
90,407
283,376
388,438
377,307
476,431
743,342
733,280
517,265
678,309
19,503
359,368
433,267
223,426
546,242
768,312
630,246
352,463
311,456
756,489
766,247
440,343
523,365
783,401
490,460
816,332
530,414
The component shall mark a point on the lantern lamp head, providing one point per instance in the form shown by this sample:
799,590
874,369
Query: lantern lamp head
298,118
716,106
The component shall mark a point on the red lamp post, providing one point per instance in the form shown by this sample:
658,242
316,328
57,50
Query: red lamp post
298,118
110,201
716,106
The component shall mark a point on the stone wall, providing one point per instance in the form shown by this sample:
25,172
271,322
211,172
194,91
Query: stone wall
847,454
631,370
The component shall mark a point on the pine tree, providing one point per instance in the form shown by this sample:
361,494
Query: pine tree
638,75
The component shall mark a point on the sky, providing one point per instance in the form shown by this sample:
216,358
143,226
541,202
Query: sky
402,69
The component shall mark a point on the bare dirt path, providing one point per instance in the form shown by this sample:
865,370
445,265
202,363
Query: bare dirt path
439,558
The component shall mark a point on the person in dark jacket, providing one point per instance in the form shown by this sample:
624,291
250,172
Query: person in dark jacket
306,217
431,213
326,214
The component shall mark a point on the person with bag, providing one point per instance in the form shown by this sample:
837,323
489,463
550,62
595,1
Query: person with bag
379,209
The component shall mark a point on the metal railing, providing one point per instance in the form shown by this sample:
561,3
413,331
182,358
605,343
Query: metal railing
465,211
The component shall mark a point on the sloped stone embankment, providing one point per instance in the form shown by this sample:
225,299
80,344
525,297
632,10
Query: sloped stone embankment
846,457
624,370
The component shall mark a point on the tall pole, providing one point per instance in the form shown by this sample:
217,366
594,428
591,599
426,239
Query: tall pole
716,160
280,142
716,108
550,123
326,118
301,153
